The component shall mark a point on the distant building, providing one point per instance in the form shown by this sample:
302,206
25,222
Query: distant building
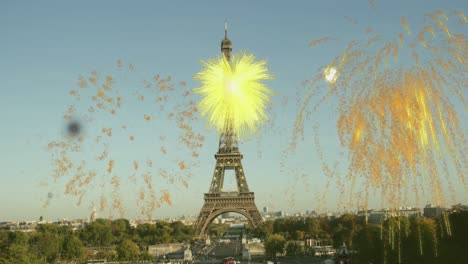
172,250
226,215
279,214
188,221
297,215
311,213
255,249
317,242
24,226
364,214
74,224
324,251
459,207
219,220
237,226
432,211
93,216
265,209
408,212
322,247
5,225
379,216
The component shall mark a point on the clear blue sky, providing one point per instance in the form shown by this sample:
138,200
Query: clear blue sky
47,45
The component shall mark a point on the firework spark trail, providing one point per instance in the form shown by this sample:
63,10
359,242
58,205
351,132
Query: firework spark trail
462,16
405,24
105,101
320,41
397,123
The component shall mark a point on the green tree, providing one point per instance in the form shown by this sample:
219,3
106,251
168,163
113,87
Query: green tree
121,229
18,253
420,246
263,230
65,230
309,251
128,250
274,244
368,245
98,233
299,235
14,248
268,225
181,232
293,249
47,245
72,248
147,233
343,230
166,234
259,232
312,227
279,225
453,240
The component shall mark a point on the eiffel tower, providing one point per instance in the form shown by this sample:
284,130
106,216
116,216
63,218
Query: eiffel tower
228,157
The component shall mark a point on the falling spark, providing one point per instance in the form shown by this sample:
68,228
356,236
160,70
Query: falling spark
107,131
462,16
149,163
320,41
182,165
110,166
166,197
405,24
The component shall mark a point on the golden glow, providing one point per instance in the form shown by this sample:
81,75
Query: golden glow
330,74
232,93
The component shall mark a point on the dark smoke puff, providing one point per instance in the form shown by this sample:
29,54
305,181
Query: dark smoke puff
74,128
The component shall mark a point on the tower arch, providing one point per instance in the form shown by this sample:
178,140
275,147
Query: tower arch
219,212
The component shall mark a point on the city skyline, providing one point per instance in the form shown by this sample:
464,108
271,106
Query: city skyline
49,46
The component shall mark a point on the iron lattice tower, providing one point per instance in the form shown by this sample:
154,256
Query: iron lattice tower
228,157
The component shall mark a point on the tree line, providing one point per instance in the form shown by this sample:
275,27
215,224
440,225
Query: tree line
103,238
397,240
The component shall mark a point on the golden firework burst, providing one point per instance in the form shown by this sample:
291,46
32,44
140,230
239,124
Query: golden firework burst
232,92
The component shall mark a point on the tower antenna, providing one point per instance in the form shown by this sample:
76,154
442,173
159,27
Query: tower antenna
226,44
225,28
